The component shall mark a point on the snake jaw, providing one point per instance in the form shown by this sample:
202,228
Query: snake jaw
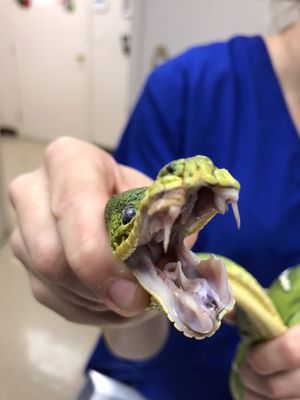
203,301
195,294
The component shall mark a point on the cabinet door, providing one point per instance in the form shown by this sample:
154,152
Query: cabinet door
51,46
111,63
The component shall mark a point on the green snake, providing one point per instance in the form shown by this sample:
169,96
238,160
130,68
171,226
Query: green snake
147,227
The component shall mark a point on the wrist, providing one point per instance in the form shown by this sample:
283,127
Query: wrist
139,340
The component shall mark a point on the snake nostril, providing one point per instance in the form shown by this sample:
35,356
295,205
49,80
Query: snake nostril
171,169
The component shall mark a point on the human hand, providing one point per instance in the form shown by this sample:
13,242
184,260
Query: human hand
61,236
272,369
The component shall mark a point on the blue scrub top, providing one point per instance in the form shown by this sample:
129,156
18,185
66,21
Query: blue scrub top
222,100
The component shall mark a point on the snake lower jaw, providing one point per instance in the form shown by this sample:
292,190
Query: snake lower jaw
204,297
195,294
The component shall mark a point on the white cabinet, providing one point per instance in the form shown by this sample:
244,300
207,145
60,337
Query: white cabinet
10,107
65,73
52,46
111,66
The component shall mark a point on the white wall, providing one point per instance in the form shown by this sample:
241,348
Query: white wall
180,24
10,111
3,211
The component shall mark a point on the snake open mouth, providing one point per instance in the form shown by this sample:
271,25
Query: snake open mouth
194,293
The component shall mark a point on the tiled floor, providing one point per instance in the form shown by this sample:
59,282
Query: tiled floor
41,355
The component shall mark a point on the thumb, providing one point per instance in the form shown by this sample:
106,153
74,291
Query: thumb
124,295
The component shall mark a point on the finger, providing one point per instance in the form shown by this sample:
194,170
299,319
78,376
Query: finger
77,314
280,354
73,298
37,244
30,197
71,289
282,385
70,311
129,178
78,201
19,249
251,381
249,395
21,253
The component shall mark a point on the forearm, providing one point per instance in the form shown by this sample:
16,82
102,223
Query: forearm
138,341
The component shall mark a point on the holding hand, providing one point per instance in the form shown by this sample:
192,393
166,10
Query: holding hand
272,369
61,236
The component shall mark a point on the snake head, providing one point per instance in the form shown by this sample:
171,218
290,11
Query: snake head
147,228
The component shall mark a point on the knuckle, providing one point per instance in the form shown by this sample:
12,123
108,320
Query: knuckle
84,256
15,244
47,263
16,187
291,350
63,201
69,317
70,199
58,146
276,388
39,291
68,312
13,190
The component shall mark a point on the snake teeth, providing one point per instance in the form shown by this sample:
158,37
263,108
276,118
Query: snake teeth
167,233
236,213
221,204
169,220
223,199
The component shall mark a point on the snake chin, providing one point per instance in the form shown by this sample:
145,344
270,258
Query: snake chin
194,293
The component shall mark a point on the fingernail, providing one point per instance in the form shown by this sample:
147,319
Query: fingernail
122,293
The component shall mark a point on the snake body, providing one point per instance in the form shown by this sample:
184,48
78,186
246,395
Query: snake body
147,227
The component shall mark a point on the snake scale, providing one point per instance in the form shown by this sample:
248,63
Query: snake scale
147,227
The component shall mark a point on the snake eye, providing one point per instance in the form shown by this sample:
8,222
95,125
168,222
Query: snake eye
127,214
